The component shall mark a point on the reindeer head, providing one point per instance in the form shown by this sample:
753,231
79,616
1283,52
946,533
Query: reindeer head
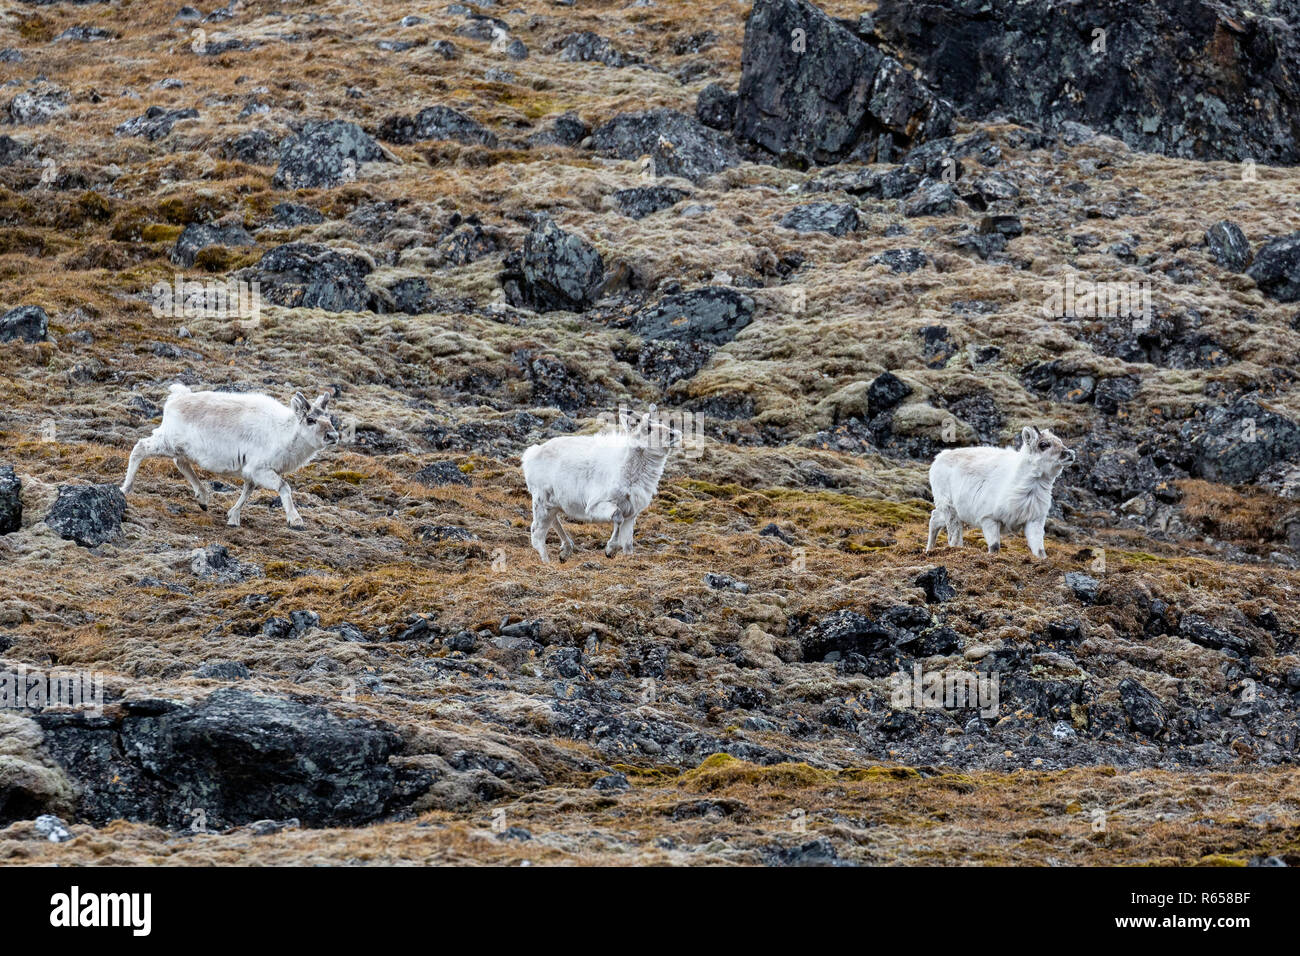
314,423
1045,451
653,434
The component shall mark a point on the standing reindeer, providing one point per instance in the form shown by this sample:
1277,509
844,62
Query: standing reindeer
610,476
999,489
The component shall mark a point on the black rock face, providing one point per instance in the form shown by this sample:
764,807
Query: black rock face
885,392
199,236
1184,79
155,123
1276,269
812,90
1142,707
1236,443
87,514
236,757
716,107
557,270
27,322
1228,246
679,145
436,122
11,500
838,219
640,201
936,585
323,155
713,315
567,129
300,274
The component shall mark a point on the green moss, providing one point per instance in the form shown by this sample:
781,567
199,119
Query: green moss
160,232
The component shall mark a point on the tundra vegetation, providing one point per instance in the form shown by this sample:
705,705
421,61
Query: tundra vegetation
483,229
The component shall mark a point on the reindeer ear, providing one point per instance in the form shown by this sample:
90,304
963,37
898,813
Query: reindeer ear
300,405
323,402
1028,436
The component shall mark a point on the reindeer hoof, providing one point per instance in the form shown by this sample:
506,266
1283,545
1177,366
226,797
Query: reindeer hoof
202,506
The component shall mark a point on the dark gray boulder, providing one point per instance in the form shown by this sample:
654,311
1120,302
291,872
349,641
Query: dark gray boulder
300,274
199,236
678,144
640,201
1235,443
1192,79
812,90
715,107
1276,269
237,757
256,147
588,47
838,219
436,122
1228,246
938,588
556,270
155,123
295,214
11,500
1142,708
323,155
901,260
885,391
712,315
932,199
567,129
87,514
11,151
27,322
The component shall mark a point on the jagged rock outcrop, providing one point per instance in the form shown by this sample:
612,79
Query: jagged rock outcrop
813,91
1197,79
234,758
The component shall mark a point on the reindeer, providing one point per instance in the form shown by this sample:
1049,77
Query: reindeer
252,436
999,489
611,476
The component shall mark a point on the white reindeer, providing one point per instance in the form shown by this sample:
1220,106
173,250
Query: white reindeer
999,489
228,433
611,476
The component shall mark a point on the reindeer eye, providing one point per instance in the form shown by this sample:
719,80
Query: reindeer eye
311,421
1044,445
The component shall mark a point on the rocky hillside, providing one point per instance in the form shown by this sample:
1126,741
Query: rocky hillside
834,241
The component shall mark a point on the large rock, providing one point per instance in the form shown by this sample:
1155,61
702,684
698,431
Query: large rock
1228,245
713,315
87,514
1189,79
436,122
39,104
233,759
1276,269
640,201
812,90
1237,442
325,154
155,123
11,500
838,219
27,322
556,270
200,236
679,145
305,275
